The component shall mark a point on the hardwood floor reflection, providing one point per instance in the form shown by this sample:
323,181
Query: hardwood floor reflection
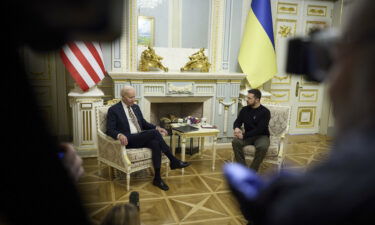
200,196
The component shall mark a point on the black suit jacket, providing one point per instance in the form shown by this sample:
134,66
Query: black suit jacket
117,121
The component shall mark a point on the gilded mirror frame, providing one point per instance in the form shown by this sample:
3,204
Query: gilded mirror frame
148,23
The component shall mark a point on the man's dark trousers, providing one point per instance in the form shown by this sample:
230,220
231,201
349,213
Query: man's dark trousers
149,139
261,144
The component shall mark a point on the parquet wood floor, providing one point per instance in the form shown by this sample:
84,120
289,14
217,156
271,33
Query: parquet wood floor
200,196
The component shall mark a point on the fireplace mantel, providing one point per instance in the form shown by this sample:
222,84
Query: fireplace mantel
219,92
177,76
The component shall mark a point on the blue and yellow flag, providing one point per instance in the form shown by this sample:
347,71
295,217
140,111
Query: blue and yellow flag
257,56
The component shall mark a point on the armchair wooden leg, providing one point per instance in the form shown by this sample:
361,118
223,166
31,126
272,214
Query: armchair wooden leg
128,181
279,165
110,172
100,168
117,174
166,169
173,145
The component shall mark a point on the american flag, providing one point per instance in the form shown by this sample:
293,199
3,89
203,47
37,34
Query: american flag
84,61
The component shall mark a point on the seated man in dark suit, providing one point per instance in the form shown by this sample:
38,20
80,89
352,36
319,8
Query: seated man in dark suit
125,122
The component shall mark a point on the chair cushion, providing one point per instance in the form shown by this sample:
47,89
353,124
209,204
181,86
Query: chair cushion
249,150
140,165
138,154
147,162
277,126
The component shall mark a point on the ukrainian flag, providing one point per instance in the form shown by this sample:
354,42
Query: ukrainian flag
257,56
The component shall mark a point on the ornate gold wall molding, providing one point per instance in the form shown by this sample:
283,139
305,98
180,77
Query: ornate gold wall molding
280,95
311,25
306,117
287,8
286,27
284,31
87,127
133,35
317,10
281,79
308,95
216,35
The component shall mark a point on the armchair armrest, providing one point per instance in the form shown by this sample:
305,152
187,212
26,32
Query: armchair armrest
281,143
285,131
126,158
112,151
108,139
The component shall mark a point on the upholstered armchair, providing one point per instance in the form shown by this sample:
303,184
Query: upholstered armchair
117,156
278,127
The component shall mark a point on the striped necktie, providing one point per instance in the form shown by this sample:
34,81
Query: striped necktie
134,119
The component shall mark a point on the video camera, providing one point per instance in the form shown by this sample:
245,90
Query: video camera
312,56
47,25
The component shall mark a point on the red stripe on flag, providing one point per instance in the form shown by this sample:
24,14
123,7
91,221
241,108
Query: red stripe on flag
84,62
72,70
96,55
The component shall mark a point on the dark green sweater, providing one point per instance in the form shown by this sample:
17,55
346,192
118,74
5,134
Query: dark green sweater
255,121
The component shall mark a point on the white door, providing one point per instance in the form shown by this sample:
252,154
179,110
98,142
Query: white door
296,18
306,106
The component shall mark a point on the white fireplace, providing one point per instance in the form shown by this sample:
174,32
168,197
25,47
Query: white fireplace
157,107
217,93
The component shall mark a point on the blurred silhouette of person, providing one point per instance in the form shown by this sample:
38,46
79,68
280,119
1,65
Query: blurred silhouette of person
38,174
71,160
134,199
340,190
122,214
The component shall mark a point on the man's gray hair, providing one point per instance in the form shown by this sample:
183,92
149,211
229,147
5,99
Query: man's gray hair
126,89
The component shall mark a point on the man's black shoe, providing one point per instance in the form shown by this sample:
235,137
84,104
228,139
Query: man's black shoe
134,199
160,184
179,164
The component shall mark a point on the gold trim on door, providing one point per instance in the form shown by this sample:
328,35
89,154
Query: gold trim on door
280,95
317,10
306,117
281,79
287,8
308,95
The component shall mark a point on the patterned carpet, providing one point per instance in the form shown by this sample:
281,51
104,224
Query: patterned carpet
200,196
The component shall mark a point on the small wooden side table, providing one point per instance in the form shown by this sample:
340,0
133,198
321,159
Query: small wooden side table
201,133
